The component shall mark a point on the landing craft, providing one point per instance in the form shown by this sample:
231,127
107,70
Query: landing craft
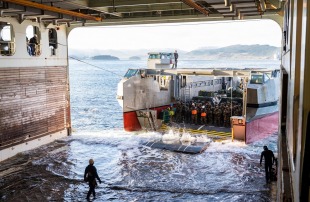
145,93
34,90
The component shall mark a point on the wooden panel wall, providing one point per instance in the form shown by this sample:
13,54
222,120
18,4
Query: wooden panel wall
32,102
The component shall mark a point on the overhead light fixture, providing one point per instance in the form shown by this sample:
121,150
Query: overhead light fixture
227,2
232,7
263,5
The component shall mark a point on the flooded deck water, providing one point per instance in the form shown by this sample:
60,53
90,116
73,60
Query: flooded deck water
226,171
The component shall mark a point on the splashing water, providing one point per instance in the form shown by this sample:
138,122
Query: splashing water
171,136
186,137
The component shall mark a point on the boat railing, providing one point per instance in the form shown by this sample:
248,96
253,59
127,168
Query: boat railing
37,49
7,48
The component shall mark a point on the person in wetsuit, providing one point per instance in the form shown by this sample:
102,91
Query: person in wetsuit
90,176
269,160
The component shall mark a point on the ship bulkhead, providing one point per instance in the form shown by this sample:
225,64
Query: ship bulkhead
34,85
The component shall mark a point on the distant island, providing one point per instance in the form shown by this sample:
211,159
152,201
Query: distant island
104,57
134,58
233,52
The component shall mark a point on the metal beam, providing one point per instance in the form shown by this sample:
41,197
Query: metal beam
193,4
121,3
53,9
158,13
150,8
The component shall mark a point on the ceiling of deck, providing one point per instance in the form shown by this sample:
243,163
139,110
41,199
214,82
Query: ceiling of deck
89,12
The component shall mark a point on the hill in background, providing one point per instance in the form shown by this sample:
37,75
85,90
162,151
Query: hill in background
104,57
234,52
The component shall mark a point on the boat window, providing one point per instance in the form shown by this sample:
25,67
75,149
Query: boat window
33,38
7,39
52,38
131,73
143,73
165,56
154,56
257,79
267,76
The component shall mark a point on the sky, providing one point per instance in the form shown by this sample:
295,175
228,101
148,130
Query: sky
185,36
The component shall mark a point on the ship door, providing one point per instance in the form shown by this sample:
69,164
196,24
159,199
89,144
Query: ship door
177,86
53,43
183,82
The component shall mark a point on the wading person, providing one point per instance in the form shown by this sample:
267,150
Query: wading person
90,176
269,160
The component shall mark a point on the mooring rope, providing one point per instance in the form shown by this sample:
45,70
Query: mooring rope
95,66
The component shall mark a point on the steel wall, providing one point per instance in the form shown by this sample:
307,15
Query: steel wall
32,103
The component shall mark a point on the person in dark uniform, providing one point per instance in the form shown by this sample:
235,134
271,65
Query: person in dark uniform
33,42
176,56
269,160
90,176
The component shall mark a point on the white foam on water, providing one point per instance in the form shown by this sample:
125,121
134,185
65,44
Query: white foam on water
186,137
171,135
240,146
202,138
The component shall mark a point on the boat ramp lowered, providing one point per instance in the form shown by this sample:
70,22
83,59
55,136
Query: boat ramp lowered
191,147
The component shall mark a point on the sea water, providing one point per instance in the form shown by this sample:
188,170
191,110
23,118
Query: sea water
226,171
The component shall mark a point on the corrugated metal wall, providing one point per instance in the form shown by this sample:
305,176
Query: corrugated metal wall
32,103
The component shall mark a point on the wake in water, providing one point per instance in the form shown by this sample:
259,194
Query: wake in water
226,171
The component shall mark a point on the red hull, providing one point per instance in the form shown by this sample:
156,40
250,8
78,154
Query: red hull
131,122
262,127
